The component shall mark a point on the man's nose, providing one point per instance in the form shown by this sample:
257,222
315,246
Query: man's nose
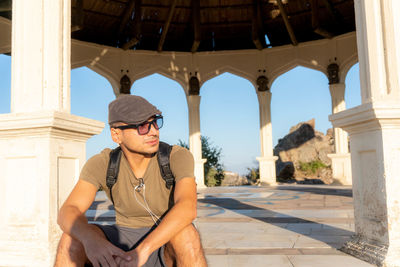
153,129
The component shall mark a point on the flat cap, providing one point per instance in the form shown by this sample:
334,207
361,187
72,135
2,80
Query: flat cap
130,109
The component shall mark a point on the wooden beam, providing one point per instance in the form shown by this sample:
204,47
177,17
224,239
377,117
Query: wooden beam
332,11
137,26
315,21
125,17
257,26
196,25
5,5
287,23
166,25
79,17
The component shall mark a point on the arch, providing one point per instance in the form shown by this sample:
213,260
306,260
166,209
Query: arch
88,85
108,74
285,104
352,94
6,21
228,69
78,64
346,66
291,65
5,35
161,91
161,71
5,84
229,115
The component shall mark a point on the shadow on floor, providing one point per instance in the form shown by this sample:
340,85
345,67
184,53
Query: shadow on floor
277,218
345,192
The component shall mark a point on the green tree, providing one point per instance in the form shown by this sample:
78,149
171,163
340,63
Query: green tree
213,168
253,175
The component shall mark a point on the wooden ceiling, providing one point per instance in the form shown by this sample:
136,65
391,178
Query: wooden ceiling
207,25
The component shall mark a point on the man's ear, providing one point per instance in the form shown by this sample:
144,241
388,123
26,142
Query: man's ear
115,135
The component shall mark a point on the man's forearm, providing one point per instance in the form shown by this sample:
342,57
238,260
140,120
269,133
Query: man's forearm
74,223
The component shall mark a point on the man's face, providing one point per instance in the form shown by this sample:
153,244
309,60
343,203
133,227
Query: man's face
137,143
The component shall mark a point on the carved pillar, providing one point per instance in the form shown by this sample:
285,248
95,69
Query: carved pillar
341,162
194,130
42,146
267,159
374,130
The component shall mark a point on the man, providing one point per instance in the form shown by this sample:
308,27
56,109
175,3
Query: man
146,219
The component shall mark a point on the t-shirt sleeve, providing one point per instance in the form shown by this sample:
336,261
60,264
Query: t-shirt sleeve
94,170
181,163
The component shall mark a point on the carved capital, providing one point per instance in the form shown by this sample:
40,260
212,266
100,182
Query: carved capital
333,73
262,82
125,85
194,86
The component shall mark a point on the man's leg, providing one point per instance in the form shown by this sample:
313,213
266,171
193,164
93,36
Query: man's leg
185,249
70,252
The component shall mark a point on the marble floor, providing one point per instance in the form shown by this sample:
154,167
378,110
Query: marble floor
286,225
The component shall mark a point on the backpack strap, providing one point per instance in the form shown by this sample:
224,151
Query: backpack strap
163,154
113,169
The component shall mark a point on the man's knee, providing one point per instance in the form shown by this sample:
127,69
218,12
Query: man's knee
187,240
70,246
71,250
186,249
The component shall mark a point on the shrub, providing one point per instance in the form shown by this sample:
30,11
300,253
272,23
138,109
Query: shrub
213,168
312,166
253,175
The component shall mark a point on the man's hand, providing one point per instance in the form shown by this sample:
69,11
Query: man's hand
102,253
137,259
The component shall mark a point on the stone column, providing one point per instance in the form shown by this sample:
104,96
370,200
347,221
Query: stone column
374,131
341,163
42,146
267,159
195,138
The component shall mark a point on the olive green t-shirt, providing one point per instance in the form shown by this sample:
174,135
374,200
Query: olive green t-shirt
128,211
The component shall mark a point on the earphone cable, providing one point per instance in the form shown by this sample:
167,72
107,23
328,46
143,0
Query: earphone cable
153,216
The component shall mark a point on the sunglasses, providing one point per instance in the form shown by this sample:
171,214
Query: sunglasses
144,127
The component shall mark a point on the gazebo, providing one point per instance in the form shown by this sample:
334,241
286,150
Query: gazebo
43,145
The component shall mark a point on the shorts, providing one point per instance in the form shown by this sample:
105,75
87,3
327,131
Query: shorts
129,238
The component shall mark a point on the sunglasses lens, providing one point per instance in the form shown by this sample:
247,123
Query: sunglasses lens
143,128
158,122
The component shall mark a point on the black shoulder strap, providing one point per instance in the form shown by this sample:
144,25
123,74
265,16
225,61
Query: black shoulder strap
163,163
113,169
164,152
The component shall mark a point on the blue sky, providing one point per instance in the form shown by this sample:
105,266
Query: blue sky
228,109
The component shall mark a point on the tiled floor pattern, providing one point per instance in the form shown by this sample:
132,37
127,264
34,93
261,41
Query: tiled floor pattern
294,225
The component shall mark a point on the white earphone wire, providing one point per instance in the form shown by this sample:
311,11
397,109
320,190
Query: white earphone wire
153,216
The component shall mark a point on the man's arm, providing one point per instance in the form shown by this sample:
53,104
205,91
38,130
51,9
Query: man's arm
71,216
72,221
178,217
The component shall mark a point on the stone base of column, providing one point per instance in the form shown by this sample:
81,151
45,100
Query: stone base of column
267,170
368,251
374,130
199,172
41,155
341,168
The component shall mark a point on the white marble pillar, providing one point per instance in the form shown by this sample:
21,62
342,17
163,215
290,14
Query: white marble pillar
374,131
195,138
42,146
267,159
341,162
